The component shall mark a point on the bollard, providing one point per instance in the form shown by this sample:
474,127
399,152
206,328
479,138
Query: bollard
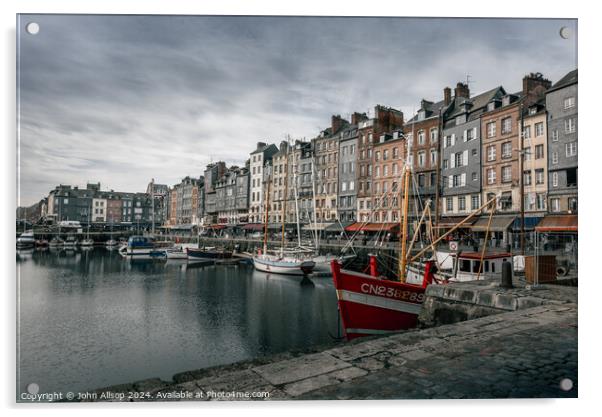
506,275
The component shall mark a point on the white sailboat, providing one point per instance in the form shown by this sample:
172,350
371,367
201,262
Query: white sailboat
280,263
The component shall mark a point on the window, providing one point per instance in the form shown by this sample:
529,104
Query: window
541,201
421,180
491,176
470,134
386,170
490,129
461,203
555,205
351,185
555,179
569,102
527,177
539,176
376,155
448,141
458,159
377,172
506,150
555,135
527,132
434,132
474,202
571,177
385,155
343,186
527,154
474,152
491,153
433,157
572,204
538,129
506,125
395,152
538,151
395,171
450,204
474,176
506,174
433,179
570,125
421,137
554,158
571,149
455,181
421,158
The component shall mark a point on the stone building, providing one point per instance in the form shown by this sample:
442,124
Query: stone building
385,120
212,173
500,142
562,109
326,152
232,196
388,162
348,147
258,159
422,132
280,189
461,151
535,161
184,201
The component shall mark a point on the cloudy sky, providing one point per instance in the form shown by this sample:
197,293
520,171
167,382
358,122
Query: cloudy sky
123,99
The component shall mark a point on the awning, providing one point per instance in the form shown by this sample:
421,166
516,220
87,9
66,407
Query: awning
182,227
371,227
215,226
338,227
449,222
530,222
558,223
278,226
317,227
253,226
498,223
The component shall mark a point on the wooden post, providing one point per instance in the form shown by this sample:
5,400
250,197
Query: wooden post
403,259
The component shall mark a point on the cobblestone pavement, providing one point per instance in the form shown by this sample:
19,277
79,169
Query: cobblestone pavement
519,354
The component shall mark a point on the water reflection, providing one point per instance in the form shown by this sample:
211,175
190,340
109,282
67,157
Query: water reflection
91,318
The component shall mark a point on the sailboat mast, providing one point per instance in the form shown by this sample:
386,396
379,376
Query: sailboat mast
404,226
296,191
285,198
267,212
313,186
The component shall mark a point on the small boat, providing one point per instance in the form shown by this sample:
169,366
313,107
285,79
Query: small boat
70,242
56,242
323,263
208,253
286,265
467,266
138,247
26,239
87,242
41,243
176,253
111,243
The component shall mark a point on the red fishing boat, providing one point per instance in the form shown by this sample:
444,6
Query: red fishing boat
370,304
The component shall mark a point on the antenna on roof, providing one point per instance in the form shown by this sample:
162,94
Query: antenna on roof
468,77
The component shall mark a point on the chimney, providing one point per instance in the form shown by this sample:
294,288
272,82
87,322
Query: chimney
447,95
462,90
534,87
261,145
358,117
336,123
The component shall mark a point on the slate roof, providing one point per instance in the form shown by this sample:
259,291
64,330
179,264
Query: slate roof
568,79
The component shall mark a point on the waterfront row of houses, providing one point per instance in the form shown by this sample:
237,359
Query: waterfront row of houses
463,149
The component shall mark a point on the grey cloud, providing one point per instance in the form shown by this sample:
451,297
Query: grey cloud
122,99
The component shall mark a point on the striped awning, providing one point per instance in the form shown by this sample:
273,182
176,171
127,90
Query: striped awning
558,223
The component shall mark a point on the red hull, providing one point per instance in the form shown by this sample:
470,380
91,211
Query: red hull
370,305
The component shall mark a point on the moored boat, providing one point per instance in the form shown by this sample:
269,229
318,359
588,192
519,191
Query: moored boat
111,243
369,304
87,242
176,253
138,247
208,253
56,242
26,239
285,265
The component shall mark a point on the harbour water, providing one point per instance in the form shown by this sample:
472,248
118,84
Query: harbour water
89,318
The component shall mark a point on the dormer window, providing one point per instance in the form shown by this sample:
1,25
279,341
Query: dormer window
460,119
421,114
491,106
532,110
505,100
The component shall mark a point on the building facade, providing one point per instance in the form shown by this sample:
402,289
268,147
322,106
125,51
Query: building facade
562,110
258,159
348,146
388,162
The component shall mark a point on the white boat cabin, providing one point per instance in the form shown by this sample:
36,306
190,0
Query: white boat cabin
467,264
